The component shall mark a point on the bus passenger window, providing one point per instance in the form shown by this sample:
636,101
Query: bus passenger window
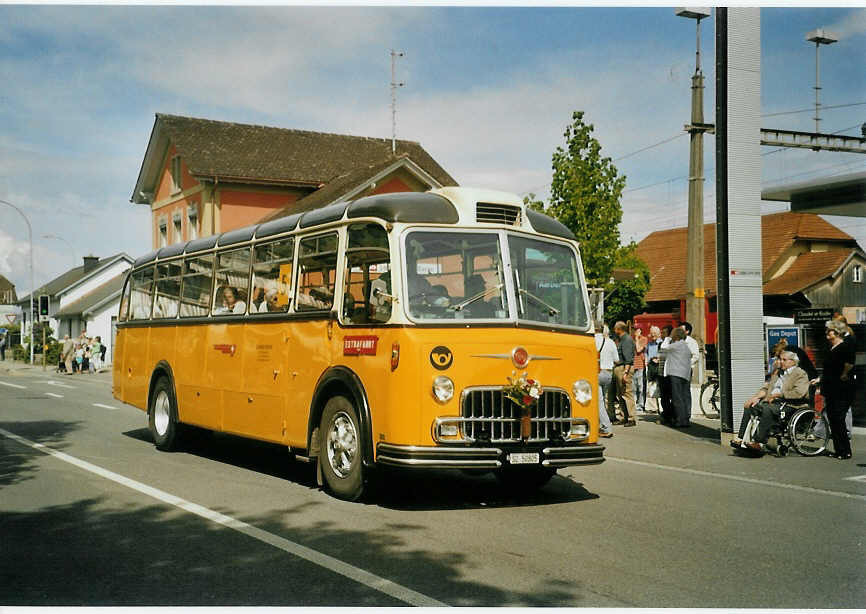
367,298
197,286
272,276
142,294
167,289
233,270
317,266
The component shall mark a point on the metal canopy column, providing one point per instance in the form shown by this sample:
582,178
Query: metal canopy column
738,197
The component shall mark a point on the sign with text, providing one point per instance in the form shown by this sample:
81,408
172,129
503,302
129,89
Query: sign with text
791,334
813,316
360,345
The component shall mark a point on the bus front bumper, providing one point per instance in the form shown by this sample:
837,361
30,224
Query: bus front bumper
454,457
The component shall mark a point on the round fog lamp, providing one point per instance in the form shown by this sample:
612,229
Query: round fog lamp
443,388
582,391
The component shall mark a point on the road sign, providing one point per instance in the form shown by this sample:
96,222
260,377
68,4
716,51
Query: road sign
11,317
812,316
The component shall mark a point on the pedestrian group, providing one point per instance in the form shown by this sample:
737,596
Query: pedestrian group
81,355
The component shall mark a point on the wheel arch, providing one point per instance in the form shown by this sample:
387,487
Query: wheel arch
340,380
162,368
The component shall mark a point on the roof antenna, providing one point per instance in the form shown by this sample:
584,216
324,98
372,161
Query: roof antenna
394,86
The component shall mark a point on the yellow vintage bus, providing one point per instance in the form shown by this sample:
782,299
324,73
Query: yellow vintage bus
392,330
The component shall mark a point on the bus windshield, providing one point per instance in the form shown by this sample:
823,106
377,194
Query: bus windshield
459,275
547,282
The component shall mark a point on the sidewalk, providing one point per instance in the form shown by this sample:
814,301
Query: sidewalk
17,367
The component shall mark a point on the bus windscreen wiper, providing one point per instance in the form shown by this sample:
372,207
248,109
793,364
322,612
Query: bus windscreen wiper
472,299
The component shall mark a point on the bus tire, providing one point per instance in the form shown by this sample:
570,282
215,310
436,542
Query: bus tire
162,416
340,451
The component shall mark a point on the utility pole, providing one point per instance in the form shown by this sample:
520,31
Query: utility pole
695,300
394,86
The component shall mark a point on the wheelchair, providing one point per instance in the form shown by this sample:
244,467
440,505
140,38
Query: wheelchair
799,427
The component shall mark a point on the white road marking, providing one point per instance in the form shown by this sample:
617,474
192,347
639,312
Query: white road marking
366,578
58,384
55,395
739,478
103,406
14,385
857,478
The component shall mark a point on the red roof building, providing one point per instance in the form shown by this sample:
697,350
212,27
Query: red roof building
806,262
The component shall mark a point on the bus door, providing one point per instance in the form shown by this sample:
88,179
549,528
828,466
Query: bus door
225,349
314,330
137,339
267,343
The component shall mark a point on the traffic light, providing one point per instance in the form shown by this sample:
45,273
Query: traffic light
43,305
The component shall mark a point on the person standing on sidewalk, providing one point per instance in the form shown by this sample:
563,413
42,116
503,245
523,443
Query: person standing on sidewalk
639,385
696,355
3,346
677,359
652,369
607,355
666,411
66,353
622,374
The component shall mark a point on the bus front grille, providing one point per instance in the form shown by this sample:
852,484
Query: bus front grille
488,415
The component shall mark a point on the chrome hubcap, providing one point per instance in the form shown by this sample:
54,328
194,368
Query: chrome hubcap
161,412
341,444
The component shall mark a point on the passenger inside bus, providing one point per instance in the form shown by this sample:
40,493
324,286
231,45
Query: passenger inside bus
479,308
231,302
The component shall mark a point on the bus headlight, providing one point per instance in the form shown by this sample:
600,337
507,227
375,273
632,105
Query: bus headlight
443,388
579,429
582,391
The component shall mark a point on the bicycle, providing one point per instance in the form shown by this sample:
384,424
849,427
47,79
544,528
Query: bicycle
710,398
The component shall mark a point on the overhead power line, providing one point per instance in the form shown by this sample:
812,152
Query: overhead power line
812,109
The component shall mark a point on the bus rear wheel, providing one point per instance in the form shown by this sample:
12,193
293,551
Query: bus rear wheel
162,416
341,448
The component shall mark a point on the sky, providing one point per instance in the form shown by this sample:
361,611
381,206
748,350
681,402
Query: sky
488,92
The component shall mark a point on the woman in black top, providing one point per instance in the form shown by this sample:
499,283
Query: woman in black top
837,386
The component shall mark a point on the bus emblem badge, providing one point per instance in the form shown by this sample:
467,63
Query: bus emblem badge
441,357
225,348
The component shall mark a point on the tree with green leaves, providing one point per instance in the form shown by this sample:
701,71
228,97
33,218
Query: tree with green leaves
585,195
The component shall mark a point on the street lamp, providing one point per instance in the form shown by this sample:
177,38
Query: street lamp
695,301
68,244
32,284
819,37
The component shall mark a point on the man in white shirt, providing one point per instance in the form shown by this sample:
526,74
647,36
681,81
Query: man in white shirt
696,354
607,355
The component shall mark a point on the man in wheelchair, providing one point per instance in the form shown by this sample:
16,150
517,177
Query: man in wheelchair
787,388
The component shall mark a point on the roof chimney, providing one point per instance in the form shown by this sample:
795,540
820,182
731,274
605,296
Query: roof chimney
90,263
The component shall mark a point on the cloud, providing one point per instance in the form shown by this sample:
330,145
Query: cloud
852,24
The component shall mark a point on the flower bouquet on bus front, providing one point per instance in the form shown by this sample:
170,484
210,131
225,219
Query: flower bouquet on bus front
523,392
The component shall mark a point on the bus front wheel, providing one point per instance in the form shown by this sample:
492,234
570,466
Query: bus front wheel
162,416
341,449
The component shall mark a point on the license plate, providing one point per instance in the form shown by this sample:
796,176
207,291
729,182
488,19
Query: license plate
524,458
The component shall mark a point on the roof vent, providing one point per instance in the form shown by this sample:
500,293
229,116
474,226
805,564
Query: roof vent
492,213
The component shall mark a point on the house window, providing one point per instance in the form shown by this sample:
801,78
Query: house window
192,221
857,274
175,174
163,233
178,227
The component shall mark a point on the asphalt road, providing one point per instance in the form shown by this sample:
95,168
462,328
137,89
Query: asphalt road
92,514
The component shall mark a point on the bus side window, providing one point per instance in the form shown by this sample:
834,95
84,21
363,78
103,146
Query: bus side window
317,265
167,289
368,275
232,280
142,294
272,276
197,285
123,312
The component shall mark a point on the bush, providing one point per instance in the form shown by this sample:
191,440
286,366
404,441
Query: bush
21,352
